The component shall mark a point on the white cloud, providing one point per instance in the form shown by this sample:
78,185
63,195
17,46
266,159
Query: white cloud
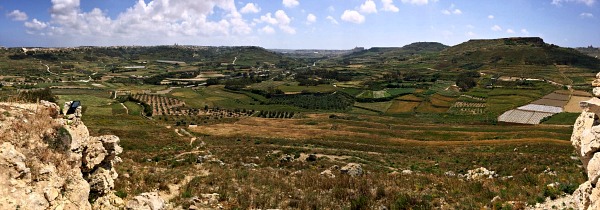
525,32
268,30
490,17
36,25
17,15
388,6
470,26
586,15
418,2
280,19
496,28
353,16
331,9
250,8
510,31
268,18
290,3
143,22
470,34
452,10
368,7
586,2
311,18
332,20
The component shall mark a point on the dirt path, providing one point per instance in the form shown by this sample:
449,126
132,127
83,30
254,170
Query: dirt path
174,189
48,69
125,107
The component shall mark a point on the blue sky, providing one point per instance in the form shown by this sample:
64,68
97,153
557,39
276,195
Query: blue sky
315,24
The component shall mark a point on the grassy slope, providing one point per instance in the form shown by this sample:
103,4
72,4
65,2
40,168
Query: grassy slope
521,58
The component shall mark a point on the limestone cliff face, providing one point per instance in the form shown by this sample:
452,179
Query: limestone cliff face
47,162
586,140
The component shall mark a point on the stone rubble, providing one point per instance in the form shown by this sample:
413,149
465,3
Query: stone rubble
352,169
146,201
478,174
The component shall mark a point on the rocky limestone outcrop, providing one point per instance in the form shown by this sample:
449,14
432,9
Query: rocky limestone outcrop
586,140
146,201
48,162
352,169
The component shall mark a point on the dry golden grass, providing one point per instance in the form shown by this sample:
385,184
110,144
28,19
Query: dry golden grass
382,145
428,107
410,97
573,104
277,128
402,107
441,101
355,66
317,126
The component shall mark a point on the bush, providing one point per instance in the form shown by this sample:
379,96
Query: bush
360,203
406,201
121,194
33,96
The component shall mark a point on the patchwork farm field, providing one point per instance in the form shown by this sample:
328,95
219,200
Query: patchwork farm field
427,145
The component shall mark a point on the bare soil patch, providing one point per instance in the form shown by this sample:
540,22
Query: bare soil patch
573,104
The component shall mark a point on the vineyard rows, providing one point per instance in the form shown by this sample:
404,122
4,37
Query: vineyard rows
162,105
468,105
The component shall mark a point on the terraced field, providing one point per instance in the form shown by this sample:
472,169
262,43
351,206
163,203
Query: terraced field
399,106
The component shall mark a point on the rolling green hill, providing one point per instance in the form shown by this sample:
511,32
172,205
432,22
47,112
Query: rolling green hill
393,54
520,57
117,55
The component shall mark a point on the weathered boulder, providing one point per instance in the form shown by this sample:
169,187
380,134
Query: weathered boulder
93,154
596,91
108,202
327,173
352,169
10,157
146,201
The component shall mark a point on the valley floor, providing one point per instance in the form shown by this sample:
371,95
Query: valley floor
284,163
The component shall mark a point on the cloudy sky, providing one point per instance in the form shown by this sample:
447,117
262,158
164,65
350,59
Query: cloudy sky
321,24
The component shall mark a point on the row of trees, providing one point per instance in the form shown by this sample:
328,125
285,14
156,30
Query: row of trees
156,79
335,101
276,114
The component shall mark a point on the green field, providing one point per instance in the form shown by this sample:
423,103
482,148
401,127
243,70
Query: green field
562,119
133,108
93,105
